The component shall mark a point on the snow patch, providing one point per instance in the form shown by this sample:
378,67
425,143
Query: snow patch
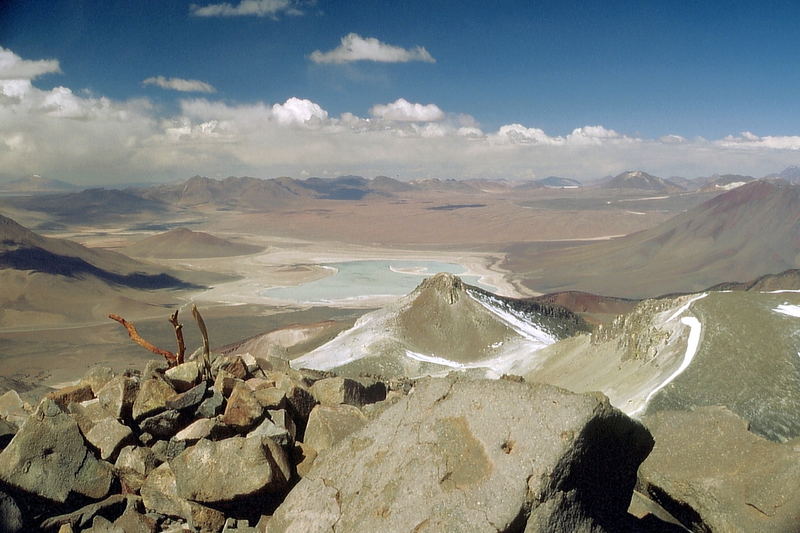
788,309
780,291
691,350
518,323
686,306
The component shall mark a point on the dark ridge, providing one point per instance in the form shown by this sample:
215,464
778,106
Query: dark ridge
557,319
791,279
39,260
453,207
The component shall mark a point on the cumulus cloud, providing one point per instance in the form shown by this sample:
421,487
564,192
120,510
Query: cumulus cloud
353,47
298,111
247,8
402,110
96,140
180,84
13,67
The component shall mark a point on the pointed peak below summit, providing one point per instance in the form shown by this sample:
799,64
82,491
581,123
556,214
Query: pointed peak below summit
447,286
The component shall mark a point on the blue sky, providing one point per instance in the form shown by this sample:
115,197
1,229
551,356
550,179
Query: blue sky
440,88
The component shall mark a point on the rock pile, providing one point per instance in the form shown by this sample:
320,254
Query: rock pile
263,447
164,449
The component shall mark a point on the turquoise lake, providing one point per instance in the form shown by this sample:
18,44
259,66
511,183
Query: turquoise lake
358,279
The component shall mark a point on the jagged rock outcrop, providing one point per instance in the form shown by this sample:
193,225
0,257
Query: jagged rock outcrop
476,456
712,474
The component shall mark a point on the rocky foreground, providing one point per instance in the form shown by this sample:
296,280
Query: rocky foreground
263,447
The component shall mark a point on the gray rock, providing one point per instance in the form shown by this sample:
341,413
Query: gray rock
188,399
338,390
111,507
199,429
12,408
211,471
88,413
10,514
184,376
282,419
329,424
133,465
271,397
211,406
167,450
97,377
164,424
243,409
118,395
75,393
108,436
708,471
154,369
152,398
48,457
475,456
267,428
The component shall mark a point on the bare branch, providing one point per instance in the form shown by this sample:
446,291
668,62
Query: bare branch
173,319
206,348
135,337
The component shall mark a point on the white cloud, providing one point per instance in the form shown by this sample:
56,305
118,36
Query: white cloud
180,84
13,67
247,8
353,47
96,140
298,111
402,110
749,140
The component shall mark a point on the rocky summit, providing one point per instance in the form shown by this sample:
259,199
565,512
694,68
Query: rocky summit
264,447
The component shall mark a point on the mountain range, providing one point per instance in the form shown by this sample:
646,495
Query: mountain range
740,234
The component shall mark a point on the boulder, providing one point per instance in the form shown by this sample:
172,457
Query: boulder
269,429
211,471
13,409
75,393
243,409
97,377
159,494
164,424
133,465
184,376
329,424
188,399
338,390
303,457
457,455
271,397
152,398
202,428
167,450
211,406
117,396
708,471
282,419
224,383
108,435
88,413
48,457
232,365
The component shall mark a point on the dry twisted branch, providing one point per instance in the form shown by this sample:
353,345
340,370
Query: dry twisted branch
135,337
